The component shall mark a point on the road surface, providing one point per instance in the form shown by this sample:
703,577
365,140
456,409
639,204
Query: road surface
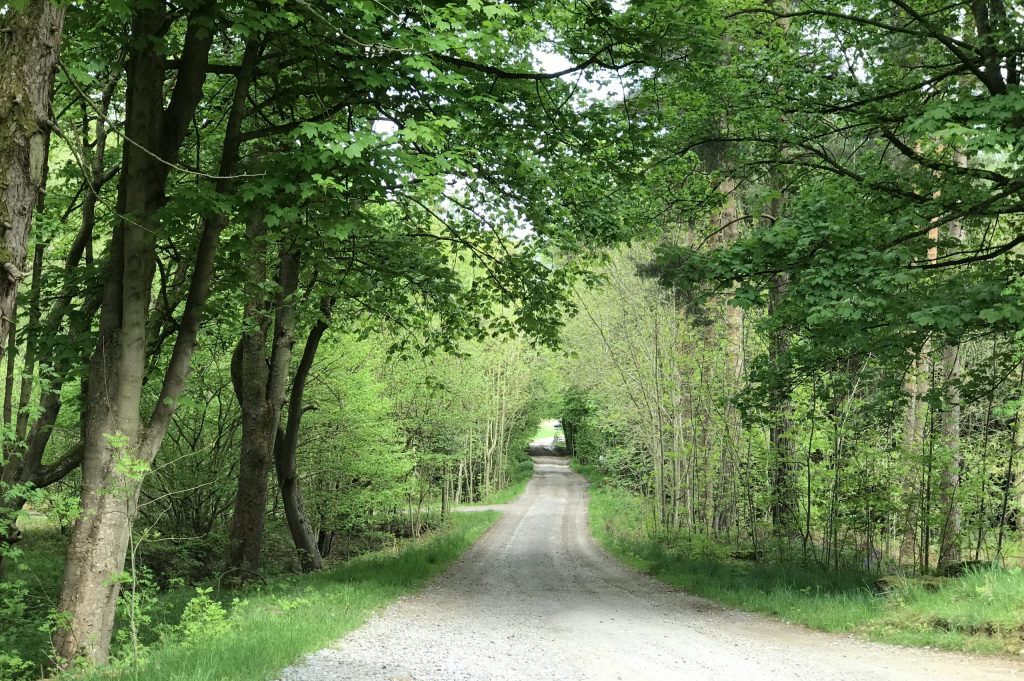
537,599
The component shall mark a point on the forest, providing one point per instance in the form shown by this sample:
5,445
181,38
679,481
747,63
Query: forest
286,283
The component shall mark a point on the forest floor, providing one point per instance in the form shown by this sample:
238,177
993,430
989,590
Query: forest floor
537,598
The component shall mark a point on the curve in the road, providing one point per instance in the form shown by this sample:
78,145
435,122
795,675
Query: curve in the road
536,599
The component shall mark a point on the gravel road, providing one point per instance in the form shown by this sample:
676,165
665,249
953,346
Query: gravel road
537,599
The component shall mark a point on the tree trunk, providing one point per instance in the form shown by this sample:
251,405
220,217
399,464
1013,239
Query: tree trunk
285,450
29,49
783,504
915,386
1014,477
99,538
949,485
727,232
9,378
118,445
325,542
260,387
949,546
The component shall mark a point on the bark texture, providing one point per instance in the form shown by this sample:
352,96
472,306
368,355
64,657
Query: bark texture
260,385
29,49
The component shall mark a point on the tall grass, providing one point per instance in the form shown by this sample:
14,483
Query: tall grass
980,612
273,626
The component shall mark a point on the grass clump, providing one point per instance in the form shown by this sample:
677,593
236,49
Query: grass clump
981,612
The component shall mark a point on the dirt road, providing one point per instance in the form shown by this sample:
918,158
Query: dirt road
536,598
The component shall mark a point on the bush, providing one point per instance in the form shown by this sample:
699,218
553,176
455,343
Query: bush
203,617
13,616
192,559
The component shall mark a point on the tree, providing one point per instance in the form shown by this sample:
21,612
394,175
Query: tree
118,443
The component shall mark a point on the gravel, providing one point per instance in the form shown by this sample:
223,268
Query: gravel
537,599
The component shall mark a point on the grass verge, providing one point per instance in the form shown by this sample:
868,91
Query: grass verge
981,612
521,478
274,626
504,495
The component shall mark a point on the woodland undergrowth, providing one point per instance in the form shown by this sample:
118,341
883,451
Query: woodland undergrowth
204,633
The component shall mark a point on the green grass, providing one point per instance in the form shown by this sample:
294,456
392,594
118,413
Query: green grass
273,626
546,431
521,478
982,612
38,565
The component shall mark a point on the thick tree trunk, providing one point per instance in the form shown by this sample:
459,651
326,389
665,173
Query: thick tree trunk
99,538
259,429
117,445
29,49
260,387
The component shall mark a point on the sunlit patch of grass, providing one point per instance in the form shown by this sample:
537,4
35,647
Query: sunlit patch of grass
547,430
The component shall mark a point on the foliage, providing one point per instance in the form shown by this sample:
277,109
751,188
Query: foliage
12,613
776,248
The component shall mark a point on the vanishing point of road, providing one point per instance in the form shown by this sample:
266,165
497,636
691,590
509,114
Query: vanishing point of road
537,599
